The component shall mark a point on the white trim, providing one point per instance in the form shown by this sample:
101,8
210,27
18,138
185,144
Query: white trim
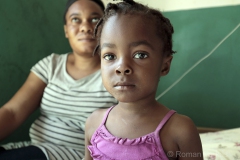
175,5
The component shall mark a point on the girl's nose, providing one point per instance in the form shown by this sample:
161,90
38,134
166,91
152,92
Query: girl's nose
124,69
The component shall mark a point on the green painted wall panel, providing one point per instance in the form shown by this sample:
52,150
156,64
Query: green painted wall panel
210,93
29,31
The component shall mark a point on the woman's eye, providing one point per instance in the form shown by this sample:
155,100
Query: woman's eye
75,20
140,55
109,57
95,20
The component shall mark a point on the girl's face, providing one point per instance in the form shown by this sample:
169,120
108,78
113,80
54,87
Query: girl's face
81,18
131,58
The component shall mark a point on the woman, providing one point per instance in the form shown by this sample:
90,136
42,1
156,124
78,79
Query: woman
68,88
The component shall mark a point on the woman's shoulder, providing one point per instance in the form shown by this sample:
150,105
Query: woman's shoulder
57,57
53,58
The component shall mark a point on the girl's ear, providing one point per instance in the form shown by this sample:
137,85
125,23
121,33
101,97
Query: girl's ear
65,31
166,65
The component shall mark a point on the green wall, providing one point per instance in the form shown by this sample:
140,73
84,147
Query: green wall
29,31
209,93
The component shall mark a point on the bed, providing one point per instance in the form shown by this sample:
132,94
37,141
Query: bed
221,145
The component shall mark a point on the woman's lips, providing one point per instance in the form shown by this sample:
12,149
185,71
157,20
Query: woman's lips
86,39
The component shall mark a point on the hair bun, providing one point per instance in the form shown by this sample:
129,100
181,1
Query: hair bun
129,2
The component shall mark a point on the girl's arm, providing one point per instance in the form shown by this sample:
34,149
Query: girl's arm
91,125
88,137
21,105
189,143
87,142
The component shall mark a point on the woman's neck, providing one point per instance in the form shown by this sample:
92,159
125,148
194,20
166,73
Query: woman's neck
80,66
85,63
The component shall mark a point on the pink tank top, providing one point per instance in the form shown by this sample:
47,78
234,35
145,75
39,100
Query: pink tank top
107,147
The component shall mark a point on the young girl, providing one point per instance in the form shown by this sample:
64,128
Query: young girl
135,45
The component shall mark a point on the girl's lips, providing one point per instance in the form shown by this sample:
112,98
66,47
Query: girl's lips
124,86
127,87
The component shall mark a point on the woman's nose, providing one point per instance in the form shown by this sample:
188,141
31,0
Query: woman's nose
86,27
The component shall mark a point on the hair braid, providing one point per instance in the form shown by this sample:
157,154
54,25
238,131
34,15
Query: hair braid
164,27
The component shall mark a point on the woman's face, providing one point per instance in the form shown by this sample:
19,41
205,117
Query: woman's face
81,18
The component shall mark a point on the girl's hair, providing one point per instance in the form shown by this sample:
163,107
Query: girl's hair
163,26
70,2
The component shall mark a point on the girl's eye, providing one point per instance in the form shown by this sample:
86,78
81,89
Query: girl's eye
140,55
109,57
95,20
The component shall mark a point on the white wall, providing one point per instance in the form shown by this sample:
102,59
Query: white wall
174,5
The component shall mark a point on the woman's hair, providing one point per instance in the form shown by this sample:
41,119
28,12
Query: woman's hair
163,26
70,2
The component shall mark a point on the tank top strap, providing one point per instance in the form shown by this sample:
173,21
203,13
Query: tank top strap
164,120
106,115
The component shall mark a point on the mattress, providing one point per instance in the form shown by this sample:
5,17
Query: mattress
221,145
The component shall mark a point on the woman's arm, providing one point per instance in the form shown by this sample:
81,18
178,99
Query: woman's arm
21,105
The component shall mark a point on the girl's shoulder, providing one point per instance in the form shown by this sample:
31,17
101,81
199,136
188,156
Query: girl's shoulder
181,135
95,120
181,125
97,115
